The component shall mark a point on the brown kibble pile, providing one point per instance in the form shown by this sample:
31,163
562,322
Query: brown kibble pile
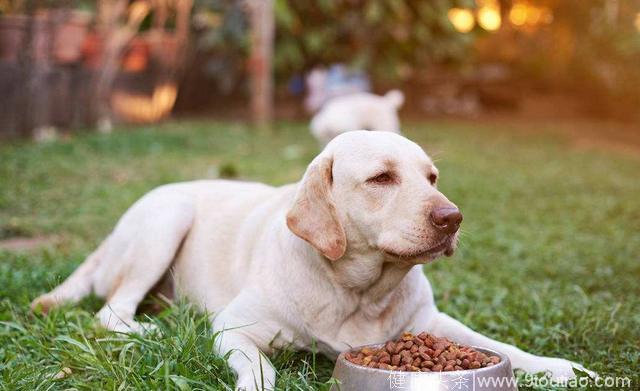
422,353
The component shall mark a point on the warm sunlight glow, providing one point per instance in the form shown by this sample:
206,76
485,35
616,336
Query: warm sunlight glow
547,16
489,18
526,15
145,109
138,10
533,16
636,22
518,14
462,19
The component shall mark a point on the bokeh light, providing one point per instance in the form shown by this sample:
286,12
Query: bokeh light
523,14
518,14
489,16
462,19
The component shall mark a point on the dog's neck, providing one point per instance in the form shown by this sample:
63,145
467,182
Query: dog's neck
362,270
369,272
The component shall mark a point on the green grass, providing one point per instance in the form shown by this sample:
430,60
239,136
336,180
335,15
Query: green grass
549,258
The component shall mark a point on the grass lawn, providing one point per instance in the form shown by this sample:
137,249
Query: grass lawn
549,258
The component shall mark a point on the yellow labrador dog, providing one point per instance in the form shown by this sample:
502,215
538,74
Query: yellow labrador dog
357,111
336,258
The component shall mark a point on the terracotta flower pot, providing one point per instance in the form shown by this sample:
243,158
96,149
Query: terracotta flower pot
92,48
136,56
70,35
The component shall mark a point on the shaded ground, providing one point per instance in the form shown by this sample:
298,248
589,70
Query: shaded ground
548,260
25,243
578,132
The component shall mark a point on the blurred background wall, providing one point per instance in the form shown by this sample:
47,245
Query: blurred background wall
69,65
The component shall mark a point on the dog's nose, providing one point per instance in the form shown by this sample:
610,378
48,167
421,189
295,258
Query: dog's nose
446,219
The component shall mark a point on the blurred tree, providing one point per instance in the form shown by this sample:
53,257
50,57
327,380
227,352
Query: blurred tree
587,47
390,39
221,42
117,23
571,45
606,50
261,60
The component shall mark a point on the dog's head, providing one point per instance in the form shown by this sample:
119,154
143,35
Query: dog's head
375,190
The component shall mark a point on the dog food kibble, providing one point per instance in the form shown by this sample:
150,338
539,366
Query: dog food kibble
422,353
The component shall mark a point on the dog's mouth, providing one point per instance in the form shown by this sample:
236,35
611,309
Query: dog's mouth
445,247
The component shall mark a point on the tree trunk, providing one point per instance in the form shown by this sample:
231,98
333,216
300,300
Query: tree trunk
116,32
260,61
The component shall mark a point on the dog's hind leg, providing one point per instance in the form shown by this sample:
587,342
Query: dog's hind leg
149,251
131,260
78,285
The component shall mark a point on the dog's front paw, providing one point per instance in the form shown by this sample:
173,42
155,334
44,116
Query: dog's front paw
557,368
249,383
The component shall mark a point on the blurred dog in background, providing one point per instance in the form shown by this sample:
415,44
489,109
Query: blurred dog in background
358,111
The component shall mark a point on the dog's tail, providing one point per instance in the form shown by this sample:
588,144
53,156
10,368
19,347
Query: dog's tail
78,285
395,98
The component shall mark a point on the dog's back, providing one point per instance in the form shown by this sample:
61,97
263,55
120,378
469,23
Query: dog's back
357,112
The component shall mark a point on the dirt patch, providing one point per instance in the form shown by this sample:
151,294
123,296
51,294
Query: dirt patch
624,138
24,244
580,133
593,134
565,115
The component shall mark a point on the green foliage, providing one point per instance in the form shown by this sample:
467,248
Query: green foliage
388,38
224,21
604,52
606,40
547,261
221,38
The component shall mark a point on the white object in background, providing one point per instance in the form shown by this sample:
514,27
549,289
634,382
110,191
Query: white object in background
357,112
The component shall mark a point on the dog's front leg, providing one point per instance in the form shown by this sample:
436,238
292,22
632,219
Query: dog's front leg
442,325
254,370
244,332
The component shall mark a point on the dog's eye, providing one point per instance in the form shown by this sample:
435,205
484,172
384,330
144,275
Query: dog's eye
381,179
433,178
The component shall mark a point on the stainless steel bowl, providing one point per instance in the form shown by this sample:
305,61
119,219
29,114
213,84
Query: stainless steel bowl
354,377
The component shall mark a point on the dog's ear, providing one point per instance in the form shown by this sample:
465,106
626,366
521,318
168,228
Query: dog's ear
313,216
395,98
